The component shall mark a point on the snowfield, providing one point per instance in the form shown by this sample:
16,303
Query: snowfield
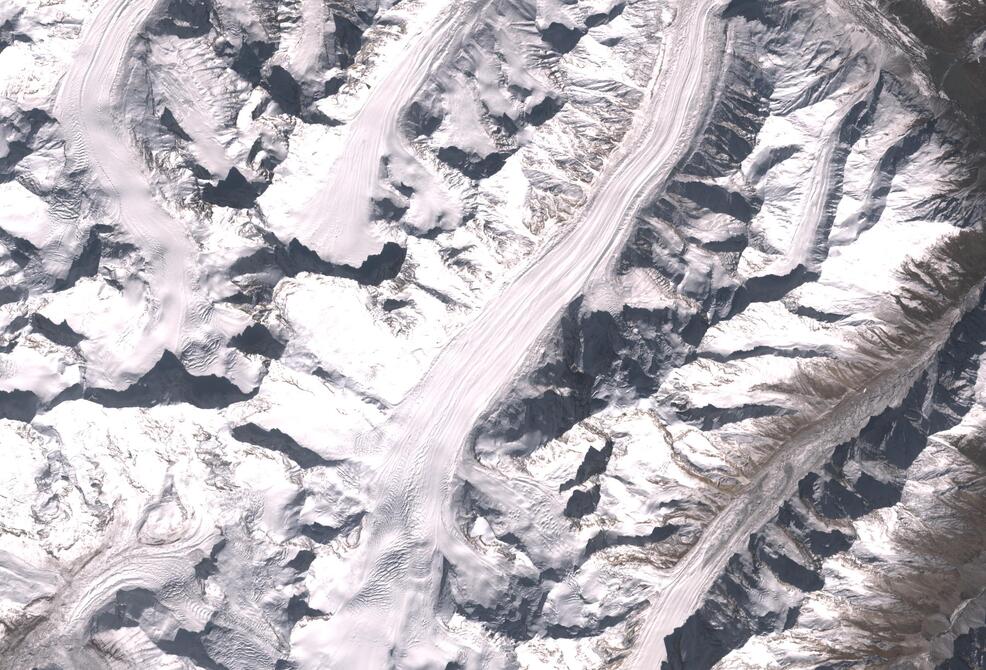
492,334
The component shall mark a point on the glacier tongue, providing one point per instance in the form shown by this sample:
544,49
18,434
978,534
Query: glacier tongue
492,334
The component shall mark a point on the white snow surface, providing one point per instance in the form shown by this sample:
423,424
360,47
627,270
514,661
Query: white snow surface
478,334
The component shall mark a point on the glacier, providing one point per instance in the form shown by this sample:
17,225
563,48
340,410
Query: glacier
575,334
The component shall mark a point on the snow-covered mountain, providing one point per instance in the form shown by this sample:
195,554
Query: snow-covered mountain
492,334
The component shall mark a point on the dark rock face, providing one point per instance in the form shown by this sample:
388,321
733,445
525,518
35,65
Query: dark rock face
233,191
422,118
192,646
602,18
600,359
280,442
390,305
302,561
751,10
325,534
581,503
561,38
712,418
594,463
257,339
10,31
890,442
544,110
19,405
715,198
171,124
298,609
769,288
86,263
969,651
284,90
126,610
210,565
957,70
606,539
186,19
386,208
59,333
472,165
295,257
250,59
167,383
25,131
349,38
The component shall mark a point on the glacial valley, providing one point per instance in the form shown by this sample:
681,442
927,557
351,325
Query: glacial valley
492,334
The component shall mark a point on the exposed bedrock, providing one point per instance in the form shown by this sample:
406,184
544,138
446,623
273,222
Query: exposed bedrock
763,588
262,264
752,251
597,359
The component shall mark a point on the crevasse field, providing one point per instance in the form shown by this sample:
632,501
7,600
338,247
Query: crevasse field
492,334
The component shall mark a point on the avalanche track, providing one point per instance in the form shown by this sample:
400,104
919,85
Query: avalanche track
389,615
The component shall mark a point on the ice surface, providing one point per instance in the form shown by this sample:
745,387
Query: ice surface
491,334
